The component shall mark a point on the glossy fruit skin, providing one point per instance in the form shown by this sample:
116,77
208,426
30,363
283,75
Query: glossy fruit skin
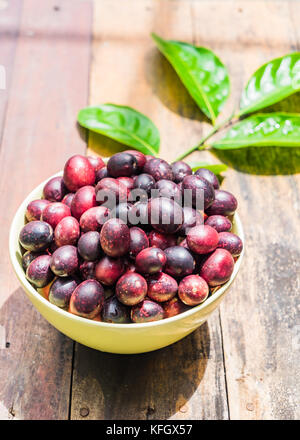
109,270
180,261
121,211
101,174
68,199
169,189
36,236
94,218
159,169
165,215
84,199
115,238
112,187
218,267
78,172
89,246
202,191
35,209
67,231
55,189
144,182
87,270
161,287
224,204
28,257
122,165
147,311
96,162
131,288
209,176
138,214
61,291
140,159
54,213
174,307
115,312
127,181
191,218
162,241
87,299
231,242
202,239
150,261
193,290
180,170
138,241
219,223
38,272
64,261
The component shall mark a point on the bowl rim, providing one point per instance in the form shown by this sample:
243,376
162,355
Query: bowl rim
13,238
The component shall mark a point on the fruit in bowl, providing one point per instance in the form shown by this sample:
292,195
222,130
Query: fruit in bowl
165,269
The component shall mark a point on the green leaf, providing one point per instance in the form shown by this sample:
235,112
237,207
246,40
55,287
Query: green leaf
215,168
271,83
123,124
201,72
263,130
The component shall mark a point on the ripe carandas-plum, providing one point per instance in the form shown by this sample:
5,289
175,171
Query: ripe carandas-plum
162,241
165,215
38,272
28,257
138,241
78,172
101,174
122,165
231,242
54,213
150,261
193,290
202,239
36,236
122,211
115,238
109,270
138,214
209,176
144,182
218,267
87,270
64,261
159,169
180,261
87,299
140,159
67,232
219,223
61,290
180,170
35,209
94,218
161,287
169,189
68,199
127,181
131,288
191,218
174,307
202,191
89,246
115,312
147,311
55,189
224,204
84,199
96,162
112,188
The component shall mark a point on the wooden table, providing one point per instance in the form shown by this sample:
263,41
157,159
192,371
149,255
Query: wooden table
62,55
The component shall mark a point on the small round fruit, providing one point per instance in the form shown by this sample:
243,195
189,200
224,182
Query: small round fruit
38,272
162,241
159,169
127,181
78,172
193,290
115,312
131,288
219,223
180,261
218,267
202,191
165,215
115,238
36,236
87,270
89,246
67,231
174,307
54,213
61,290
55,189
64,261
191,218
68,199
96,162
231,242
35,209
101,174
202,239
180,170
138,241
122,211
209,176
138,214
161,287
84,199
150,260
122,164
144,182
169,189
28,257
140,159
112,188
94,218
147,311
109,270
224,204
87,299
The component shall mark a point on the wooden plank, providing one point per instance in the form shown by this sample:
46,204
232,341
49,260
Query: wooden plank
185,380
48,86
259,317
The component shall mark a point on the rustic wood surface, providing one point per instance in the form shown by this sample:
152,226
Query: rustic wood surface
242,363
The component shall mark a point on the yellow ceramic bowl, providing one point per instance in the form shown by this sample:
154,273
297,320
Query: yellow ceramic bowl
114,338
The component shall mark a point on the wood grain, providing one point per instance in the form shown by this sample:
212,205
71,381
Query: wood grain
39,134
